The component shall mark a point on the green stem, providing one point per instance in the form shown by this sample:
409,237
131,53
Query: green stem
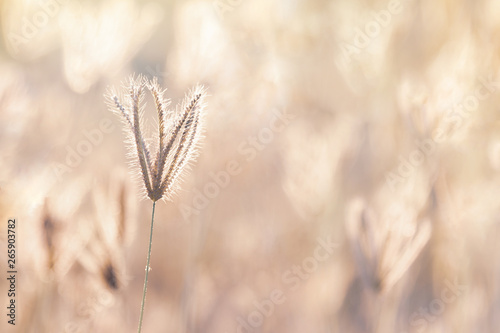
147,269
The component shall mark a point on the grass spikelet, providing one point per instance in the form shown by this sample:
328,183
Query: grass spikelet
49,229
383,253
109,275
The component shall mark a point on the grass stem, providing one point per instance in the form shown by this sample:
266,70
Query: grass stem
147,269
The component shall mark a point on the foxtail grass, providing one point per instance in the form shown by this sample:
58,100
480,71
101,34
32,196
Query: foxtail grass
179,133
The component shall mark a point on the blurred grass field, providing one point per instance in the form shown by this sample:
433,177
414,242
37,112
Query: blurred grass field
347,181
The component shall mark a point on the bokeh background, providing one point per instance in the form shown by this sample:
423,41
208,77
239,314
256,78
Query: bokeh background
348,180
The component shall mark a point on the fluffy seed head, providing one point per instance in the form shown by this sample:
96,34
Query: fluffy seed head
179,133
